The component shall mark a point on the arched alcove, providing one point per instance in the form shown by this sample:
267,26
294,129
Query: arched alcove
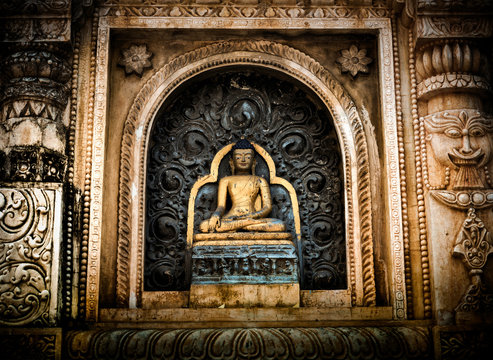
334,109
281,115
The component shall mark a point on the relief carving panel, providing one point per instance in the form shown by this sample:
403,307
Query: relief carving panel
278,116
29,255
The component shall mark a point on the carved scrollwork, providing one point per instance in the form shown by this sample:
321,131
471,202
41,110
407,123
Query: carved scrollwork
276,115
25,256
454,26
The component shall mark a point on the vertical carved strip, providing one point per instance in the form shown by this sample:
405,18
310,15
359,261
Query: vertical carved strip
402,170
423,238
87,172
68,267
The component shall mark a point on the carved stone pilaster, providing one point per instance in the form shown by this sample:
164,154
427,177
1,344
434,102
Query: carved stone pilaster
30,234
455,127
32,126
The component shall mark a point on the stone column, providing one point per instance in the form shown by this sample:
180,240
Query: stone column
455,150
36,73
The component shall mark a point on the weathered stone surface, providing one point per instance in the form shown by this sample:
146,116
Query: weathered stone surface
244,295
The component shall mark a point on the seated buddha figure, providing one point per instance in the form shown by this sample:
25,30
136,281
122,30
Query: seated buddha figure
246,192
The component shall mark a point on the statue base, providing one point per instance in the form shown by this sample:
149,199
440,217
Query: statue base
244,270
244,295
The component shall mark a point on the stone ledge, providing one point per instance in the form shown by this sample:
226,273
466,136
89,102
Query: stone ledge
228,317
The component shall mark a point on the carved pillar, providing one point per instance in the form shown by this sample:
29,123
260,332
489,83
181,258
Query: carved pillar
35,70
455,129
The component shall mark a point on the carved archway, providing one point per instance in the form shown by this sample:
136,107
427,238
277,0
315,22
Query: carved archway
262,54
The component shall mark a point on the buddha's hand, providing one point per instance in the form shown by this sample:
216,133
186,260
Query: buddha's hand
214,222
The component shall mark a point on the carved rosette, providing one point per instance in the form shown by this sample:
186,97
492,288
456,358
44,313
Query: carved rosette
32,130
27,252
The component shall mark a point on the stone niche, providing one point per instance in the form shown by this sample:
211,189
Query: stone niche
169,99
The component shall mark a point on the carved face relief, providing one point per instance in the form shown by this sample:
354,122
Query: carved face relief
461,139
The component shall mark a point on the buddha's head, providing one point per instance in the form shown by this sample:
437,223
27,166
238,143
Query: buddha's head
242,157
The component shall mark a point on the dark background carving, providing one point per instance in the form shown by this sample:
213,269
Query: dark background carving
282,117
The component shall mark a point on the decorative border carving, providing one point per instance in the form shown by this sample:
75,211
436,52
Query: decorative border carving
114,8
253,343
402,169
454,26
272,55
70,216
90,283
451,81
418,145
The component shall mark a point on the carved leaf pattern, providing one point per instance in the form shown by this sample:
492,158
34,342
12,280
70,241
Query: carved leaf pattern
281,118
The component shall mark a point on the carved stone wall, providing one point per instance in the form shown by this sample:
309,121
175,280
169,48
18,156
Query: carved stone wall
415,131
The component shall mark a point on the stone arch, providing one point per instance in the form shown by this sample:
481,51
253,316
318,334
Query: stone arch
282,58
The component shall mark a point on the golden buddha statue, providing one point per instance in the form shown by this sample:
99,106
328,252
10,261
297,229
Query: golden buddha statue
249,194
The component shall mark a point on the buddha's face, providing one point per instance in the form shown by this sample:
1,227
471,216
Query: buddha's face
243,159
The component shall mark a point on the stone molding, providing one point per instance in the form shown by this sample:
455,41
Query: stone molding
253,343
448,65
30,235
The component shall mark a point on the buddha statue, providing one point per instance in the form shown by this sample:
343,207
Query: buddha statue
249,194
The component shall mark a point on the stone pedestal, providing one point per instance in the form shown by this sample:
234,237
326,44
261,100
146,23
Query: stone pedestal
244,270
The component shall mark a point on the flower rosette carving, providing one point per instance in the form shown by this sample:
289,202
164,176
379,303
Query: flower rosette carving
354,61
135,59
